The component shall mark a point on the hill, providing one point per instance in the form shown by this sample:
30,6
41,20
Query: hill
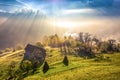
105,67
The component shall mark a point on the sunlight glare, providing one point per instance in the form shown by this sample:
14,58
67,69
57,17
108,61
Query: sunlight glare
70,24
66,24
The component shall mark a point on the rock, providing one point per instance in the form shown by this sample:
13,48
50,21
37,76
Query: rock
34,54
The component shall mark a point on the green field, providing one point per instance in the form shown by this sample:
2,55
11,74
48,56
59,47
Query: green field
107,68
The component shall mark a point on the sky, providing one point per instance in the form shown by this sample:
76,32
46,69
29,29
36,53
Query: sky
26,21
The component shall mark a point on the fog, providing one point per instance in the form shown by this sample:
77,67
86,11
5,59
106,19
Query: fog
19,30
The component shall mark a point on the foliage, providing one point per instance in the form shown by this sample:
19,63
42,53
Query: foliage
1,52
26,66
52,41
35,65
39,44
8,49
19,47
45,67
101,67
11,71
88,68
100,58
65,61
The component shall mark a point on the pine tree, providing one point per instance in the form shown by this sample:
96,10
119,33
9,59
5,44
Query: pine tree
65,61
45,67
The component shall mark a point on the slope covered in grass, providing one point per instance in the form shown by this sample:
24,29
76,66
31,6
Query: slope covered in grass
79,68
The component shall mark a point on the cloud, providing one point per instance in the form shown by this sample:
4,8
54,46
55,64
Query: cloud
79,7
25,4
3,11
78,11
24,21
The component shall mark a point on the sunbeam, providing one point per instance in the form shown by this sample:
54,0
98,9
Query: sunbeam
29,20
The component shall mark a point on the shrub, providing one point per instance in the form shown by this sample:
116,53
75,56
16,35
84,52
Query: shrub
1,52
39,44
14,50
11,71
45,67
8,49
102,58
19,47
26,66
65,61
35,65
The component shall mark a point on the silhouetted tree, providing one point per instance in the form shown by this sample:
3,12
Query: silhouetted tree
86,37
110,45
60,45
103,47
65,61
45,67
81,37
118,47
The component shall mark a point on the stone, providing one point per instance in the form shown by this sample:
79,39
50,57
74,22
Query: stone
34,54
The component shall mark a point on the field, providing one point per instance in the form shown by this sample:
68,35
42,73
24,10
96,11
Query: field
105,68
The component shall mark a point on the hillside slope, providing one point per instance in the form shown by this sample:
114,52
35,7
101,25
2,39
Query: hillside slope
107,68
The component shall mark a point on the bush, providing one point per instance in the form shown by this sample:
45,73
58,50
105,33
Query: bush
1,52
35,65
45,67
26,66
39,44
11,71
102,58
14,50
8,49
65,61
19,47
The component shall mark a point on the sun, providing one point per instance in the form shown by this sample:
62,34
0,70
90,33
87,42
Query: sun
69,24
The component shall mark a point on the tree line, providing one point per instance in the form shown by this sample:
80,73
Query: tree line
84,45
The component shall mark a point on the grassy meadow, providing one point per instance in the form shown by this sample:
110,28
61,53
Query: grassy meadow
106,67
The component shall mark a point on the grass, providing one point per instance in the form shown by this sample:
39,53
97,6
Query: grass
107,68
